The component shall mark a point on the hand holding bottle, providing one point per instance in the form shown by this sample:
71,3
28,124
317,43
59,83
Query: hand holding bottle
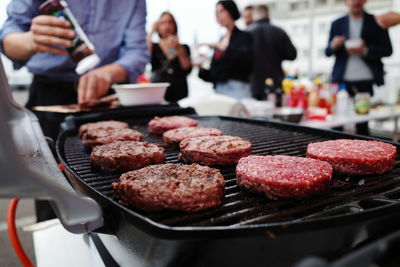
46,32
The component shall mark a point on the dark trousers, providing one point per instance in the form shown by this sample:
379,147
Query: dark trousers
46,92
359,87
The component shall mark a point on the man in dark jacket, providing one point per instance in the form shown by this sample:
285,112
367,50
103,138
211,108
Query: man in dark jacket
271,46
358,62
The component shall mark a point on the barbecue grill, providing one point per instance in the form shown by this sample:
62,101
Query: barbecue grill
241,212
246,230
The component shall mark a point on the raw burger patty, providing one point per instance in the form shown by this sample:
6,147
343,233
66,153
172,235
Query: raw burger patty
160,125
126,155
94,126
355,156
214,150
171,186
175,136
106,136
283,176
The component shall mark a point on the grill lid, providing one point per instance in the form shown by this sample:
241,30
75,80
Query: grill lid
350,199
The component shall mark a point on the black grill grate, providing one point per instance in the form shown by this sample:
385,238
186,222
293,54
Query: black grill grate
348,195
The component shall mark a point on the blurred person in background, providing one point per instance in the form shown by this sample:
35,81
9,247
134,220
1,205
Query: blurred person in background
271,46
360,65
170,60
233,56
39,42
388,19
247,16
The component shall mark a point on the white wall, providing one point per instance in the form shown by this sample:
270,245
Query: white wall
194,18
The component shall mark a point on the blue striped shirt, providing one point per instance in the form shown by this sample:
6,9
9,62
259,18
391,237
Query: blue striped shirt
115,27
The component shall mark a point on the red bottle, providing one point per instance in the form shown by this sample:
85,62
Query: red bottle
292,97
302,98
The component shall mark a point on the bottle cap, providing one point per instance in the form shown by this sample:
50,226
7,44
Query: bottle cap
87,63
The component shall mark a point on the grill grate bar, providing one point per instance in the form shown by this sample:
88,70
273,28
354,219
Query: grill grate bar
241,207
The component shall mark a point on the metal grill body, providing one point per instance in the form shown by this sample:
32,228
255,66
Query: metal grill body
352,206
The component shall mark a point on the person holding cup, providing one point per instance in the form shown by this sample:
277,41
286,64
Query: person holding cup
170,60
359,44
232,62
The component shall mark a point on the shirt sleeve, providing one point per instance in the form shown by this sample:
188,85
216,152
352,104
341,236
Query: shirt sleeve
240,50
133,54
20,14
289,52
329,51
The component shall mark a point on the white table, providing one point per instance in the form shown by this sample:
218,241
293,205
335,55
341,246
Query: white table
384,113
55,246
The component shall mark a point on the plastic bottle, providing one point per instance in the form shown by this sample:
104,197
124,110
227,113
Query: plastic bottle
82,50
362,103
324,102
302,98
313,98
334,88
269,90
293,97
287,84
279,95
342,101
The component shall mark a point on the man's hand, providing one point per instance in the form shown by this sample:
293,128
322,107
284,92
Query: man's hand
45,33
361,50
93,84
48,31
97,82
338,41
388,19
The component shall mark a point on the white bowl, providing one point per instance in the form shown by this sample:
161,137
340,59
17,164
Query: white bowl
140,94
353,43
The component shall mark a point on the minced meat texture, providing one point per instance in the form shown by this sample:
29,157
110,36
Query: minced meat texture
214,150
283,176
175,136
180,187
106,136
126,155
355,157
160,125
94,126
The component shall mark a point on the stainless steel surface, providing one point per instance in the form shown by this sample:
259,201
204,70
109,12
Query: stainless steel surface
29,170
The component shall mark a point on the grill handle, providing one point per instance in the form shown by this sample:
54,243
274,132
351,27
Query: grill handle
28,168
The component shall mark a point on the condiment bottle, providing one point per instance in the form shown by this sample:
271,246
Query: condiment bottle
269,90
342,101
302,98
362,103
313,98
82,50
293,97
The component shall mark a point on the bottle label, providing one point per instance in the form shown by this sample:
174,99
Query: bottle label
76,41
362,104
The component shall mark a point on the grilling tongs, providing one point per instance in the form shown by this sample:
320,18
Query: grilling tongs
28,168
